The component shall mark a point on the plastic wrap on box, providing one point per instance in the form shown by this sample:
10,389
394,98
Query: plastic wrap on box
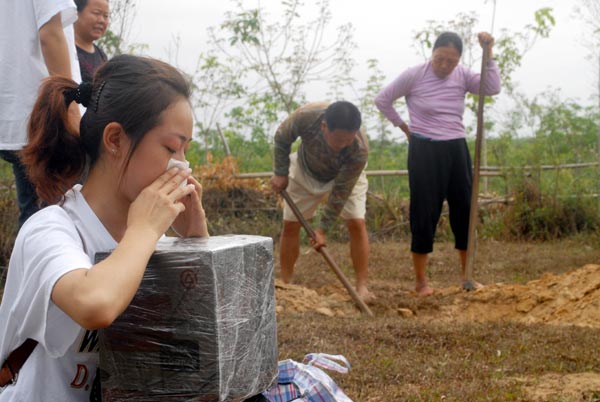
201,327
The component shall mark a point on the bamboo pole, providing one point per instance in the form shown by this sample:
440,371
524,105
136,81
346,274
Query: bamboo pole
490,171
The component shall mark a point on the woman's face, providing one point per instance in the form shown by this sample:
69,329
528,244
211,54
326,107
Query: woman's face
92,21
444,60
170,139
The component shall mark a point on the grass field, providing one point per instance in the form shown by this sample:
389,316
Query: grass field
428,356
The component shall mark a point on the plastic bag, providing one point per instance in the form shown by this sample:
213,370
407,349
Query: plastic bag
306,382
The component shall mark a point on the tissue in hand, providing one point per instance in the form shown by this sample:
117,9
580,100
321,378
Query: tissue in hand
181,165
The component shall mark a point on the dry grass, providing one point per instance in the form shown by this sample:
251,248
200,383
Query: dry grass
404,360
9,213
399,359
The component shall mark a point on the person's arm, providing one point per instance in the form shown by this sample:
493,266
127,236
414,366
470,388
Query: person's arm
343,185
55,48
492,78
285,136
398,88
95,297
342,189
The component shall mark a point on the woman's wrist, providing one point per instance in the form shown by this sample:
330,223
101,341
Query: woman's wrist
142,232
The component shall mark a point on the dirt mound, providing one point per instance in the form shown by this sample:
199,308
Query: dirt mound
572,298
572,387
330,302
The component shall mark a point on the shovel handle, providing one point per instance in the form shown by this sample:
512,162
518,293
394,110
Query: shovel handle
338,272
298,214
473,213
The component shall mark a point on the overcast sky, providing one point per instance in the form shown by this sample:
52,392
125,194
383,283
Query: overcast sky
384,30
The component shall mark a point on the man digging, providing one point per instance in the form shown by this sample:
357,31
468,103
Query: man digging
330,164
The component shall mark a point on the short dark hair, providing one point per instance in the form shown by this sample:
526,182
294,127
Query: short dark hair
449,39
343,115
81,4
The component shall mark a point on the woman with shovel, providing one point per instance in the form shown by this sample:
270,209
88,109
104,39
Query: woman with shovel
439,164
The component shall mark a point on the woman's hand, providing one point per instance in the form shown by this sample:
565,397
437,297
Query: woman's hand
404,127
157,206
192,221
486,40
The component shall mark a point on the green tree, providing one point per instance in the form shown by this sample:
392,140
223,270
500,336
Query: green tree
287,54
564,133
115,40
216,88
373,120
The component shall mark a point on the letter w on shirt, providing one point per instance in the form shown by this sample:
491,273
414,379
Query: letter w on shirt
89,342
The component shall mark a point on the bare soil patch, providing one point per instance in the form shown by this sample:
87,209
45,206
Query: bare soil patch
569,298
572,387
533,333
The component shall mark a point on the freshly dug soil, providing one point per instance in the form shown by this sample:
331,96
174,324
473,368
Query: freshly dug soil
572,298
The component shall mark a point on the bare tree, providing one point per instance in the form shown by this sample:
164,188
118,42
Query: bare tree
258,64
279,54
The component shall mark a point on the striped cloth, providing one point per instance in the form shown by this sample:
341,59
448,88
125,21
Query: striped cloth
305,382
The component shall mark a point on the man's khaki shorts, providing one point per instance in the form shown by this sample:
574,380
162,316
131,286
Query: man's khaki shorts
307,193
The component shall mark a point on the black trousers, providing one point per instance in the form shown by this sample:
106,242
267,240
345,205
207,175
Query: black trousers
438,171
26,195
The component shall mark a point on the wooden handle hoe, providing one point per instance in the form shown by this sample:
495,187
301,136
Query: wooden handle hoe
355,297
469,284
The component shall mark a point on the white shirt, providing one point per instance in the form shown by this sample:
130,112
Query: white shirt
54,241
22,65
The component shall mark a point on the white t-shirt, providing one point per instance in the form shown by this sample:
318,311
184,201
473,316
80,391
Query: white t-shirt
22,65
54,241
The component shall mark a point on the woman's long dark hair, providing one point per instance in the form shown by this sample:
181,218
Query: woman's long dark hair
130,90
